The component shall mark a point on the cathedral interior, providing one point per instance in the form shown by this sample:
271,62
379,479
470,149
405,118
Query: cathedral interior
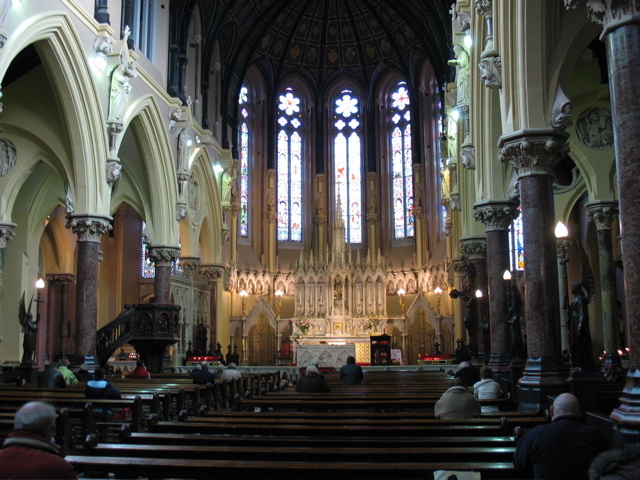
262,176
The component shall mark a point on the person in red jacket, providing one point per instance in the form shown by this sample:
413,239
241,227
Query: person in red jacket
140,371
28,451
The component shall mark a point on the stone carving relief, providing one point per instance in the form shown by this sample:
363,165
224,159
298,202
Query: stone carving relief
595,128
8,156
561,113
68,201
468,155
120,88
192,190
491,72
462,18
461,63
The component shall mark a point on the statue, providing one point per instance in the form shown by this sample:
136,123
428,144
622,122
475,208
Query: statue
120,88
30,329
227,186
462,74
579,334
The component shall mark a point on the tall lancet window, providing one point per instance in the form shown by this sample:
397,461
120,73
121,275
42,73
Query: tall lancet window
289,167
244,161
347,162
401,163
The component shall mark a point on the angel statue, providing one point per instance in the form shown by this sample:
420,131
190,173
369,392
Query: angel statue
30,331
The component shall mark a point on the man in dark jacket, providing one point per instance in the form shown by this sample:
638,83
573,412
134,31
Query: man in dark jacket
52,378
351,373
203,376
564,448
311,382
99,387
28,452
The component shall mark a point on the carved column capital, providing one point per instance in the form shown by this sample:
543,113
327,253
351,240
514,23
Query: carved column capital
89,228
190,264
496,214
321,220
484,7
64,278
212,272
7,231
163,255
534,151
473,248
454,202
611,14
468,157
602,213
491,71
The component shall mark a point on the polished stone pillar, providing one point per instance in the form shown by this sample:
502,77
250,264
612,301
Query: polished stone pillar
603,213
621,34
163,256
497,215
533,153
89,229
474,252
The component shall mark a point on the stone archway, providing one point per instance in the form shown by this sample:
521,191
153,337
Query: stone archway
261,342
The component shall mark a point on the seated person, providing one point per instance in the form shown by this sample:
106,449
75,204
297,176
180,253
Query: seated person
468,373
140,371
487,388
351,372
457,402
312,382
51,378
231,372
83,374
28,451
100,388
202,376
63,368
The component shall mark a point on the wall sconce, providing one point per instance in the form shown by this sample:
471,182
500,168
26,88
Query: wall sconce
438,292
278,295
40,283
479,293
401,292
244,294
562,245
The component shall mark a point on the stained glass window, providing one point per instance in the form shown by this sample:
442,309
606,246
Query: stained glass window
148,269
347,159
401,163
244,162
289,167
516,243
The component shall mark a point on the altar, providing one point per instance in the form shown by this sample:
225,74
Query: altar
330,352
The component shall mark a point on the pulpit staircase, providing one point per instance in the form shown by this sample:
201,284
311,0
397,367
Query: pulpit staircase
148,327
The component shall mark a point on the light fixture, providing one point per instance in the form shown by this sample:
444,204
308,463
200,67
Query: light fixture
468,41
102,47
244,294
455,114
561,230
479,293
437,290
278,294
401,292
506,275
217,168
40,283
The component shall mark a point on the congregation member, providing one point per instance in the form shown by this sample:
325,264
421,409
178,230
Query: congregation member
457,402
83,374
562,449
617,464
52,378
29,451
468,373
311,382
487,389
63,368
203,375
351,372
231,372
140,371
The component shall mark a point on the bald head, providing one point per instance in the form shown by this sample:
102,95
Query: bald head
564,405
37,417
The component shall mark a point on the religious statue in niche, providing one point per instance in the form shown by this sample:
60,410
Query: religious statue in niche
120,88
184,150
227,187
579,333
461,63
30,328
8,156
337,294
595,128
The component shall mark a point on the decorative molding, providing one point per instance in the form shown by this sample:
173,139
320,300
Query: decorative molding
163,255
89,228
7,231
611,14
212,272
534,151
65,278
190,264
491,72
602,213
495,214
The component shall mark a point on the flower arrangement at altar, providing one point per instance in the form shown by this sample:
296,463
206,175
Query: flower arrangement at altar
304,325
369,324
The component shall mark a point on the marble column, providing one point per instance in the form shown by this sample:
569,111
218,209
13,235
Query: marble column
603,213
474,252
89,229
163,256
497,215
7,231
533,153
621,34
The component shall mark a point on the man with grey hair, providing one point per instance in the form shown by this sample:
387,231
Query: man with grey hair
29,451
562,449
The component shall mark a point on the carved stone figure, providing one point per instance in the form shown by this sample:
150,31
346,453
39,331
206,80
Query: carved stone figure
120,88
491,72
68,201
8,156
30,329
595,128
579,333
461,63
227,181
184,140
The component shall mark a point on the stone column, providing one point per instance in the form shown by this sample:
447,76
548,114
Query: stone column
474,252
162,256
214,275
7,231
371,216
271,238
497,215
603,213
621,34
89,229
533,153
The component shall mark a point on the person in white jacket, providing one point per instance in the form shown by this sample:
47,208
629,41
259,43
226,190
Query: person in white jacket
487,388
